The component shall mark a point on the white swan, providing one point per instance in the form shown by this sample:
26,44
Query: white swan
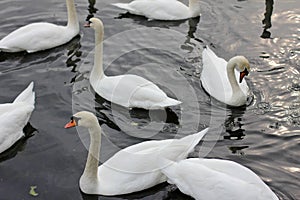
162,9
219,78
128,90
132,169
215,179
41,36
14,116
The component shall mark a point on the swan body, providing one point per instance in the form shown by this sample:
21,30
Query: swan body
219,78
132,169
14,116
41,36
216,179
162,9
128,90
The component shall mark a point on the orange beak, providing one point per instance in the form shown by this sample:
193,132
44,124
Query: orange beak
243,74
87,25
71,124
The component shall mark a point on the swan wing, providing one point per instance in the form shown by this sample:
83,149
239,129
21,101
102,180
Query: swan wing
231,169
27,96
35,37
14,116
208,180
147,153
157,9
6,107
12,123
136,168
133,91
214,76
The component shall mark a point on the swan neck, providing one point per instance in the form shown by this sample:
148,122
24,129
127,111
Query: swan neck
72,15
91,167
231,76
194,6
97,71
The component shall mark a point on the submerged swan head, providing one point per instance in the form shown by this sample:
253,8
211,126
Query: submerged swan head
84,118
241,65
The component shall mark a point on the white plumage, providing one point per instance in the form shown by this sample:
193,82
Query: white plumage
128,90
215,179
132,169
162,9
41,36
14,116
219,78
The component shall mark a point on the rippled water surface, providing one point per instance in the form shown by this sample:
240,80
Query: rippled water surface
263,136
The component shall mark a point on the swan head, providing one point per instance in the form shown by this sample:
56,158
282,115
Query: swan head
84,119
242,65
94,23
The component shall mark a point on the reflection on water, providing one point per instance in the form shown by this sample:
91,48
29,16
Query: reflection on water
234,124
162,191
74,53
264,136
92,10
267,20
234,130
74,57
19,145
189,44
294,114
238,149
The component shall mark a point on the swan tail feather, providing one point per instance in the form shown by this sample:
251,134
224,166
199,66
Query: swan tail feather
170,102
27,96
192,140
206,52
168,168
180,148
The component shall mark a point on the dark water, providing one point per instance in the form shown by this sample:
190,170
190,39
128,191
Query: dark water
263,136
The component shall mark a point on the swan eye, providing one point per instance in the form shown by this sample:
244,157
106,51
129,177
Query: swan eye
72,123
246,71
76,119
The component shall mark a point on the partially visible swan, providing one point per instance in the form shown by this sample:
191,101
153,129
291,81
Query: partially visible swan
215,179
127,90
219,78
162,9
14,116
41,36
132,169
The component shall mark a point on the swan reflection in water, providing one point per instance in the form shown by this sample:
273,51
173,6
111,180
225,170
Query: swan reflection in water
192,23
234,124
134,120
92,10
234,130
267,20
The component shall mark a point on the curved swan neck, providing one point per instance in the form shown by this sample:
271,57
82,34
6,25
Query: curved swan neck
194,6
72,15
91,166
231,76
97,71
